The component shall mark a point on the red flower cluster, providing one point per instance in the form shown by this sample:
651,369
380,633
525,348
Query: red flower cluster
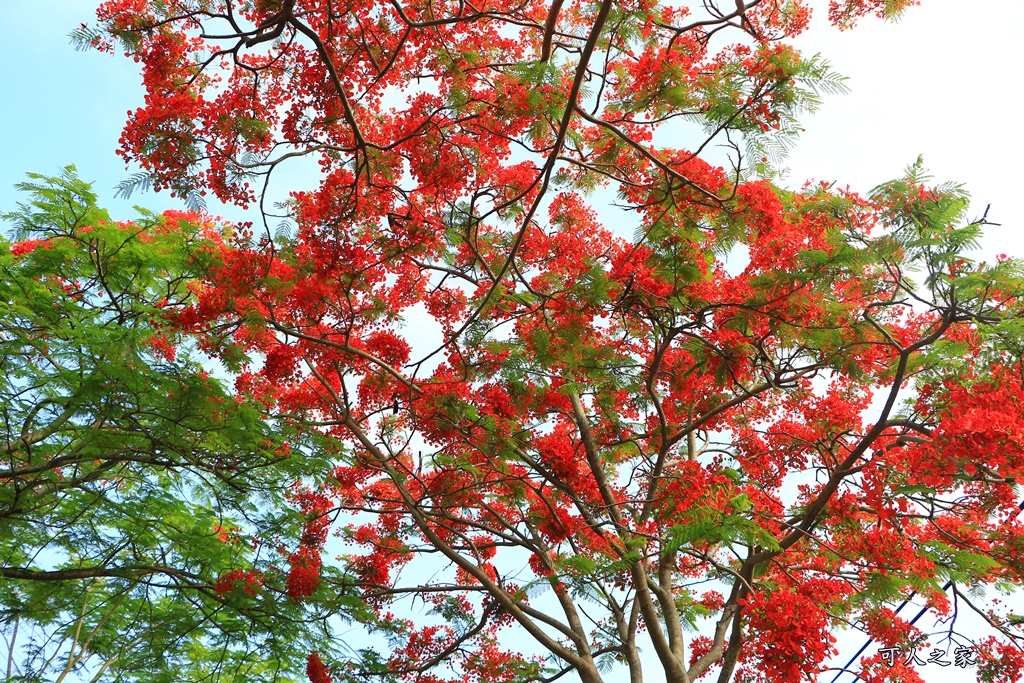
28,246
304,576
247,580
789,635
316,670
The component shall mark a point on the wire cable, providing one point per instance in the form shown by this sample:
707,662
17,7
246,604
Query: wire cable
856,677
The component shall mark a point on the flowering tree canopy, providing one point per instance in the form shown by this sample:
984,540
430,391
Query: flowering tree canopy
672,405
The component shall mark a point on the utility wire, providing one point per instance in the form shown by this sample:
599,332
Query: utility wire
856,677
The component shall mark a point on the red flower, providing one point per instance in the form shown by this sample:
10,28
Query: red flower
28,246
316,671
248,580
304,576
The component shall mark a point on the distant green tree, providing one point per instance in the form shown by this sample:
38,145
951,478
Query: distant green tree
131,481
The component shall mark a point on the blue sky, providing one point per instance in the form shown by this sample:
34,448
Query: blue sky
63,107
946,83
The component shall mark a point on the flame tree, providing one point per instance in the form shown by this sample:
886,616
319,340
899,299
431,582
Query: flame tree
616,442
